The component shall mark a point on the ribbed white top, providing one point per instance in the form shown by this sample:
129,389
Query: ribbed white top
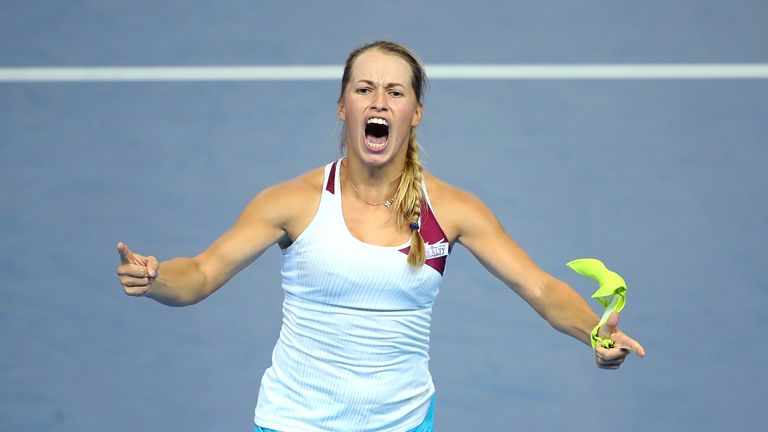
353,349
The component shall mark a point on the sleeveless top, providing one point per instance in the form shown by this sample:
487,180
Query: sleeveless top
353,349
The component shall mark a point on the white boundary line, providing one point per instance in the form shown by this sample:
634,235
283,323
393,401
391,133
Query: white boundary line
434,71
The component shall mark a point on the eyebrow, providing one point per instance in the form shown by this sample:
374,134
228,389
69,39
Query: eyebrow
388,85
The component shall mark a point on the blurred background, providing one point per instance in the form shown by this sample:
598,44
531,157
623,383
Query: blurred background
664,180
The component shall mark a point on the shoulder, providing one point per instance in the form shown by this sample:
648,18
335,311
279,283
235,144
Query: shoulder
308,183
283,202
441,190
456,209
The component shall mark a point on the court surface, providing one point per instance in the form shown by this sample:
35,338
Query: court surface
663,179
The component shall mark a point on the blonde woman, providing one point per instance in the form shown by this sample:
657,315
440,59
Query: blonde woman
365,241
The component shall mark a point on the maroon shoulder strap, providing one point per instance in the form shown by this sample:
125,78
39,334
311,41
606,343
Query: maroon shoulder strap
331,185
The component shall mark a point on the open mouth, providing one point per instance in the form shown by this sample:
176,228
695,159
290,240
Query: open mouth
376,133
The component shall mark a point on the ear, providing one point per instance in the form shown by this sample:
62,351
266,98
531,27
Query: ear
417,115
341,111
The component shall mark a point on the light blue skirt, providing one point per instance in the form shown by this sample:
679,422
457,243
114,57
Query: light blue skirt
428,425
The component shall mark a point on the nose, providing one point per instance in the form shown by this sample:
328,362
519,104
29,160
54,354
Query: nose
379,101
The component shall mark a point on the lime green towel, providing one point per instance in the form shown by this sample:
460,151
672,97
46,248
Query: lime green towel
612,292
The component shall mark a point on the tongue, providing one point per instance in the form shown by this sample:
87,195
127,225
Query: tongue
376,140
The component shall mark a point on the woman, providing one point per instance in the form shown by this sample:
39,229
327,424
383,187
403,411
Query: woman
363,256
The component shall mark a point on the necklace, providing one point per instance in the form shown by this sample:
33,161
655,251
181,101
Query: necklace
388,203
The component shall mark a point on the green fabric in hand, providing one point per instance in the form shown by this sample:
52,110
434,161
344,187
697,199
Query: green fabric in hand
612,292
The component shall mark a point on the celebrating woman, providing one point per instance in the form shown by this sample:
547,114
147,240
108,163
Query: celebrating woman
365,240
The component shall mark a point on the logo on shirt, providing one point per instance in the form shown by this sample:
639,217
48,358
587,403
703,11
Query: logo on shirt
437,250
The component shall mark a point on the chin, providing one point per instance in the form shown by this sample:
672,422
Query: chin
376,158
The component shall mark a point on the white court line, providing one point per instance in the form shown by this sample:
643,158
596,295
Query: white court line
434,71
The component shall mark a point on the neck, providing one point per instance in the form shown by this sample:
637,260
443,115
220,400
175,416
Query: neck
373,177
372,185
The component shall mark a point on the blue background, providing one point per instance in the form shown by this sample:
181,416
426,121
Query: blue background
662,179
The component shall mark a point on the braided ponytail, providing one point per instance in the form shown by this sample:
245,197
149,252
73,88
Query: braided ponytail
407,204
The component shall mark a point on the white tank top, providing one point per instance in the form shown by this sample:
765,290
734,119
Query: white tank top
353,348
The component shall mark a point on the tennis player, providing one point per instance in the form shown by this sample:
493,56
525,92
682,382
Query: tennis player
365,241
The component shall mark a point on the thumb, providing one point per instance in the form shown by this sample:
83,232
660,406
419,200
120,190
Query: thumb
152,266
126,256
606,330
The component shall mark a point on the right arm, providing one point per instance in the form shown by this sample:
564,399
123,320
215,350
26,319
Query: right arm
272,216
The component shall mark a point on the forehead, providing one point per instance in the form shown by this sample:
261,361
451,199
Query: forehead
378,66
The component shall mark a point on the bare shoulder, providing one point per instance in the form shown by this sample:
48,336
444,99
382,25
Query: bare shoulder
283,203
297,189
443,194
455,208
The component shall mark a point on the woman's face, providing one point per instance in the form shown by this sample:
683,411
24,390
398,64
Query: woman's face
379,107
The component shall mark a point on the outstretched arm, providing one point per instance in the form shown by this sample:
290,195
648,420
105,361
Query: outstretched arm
185,281
480,231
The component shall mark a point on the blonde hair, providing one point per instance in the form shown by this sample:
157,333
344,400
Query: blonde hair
407,205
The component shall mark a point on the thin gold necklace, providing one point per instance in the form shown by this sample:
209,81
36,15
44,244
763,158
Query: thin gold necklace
388,203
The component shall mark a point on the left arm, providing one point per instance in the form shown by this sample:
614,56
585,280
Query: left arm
555,301
478,229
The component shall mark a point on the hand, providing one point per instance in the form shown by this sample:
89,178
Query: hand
136,272
612,358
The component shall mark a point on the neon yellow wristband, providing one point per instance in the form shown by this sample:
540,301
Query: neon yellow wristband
612,292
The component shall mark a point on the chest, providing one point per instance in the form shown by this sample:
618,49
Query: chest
375,225
331,267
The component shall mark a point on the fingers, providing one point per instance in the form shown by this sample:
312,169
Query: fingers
132,270
132,282
610,331
126,255
627,342
609,355
136,273
138,290
610,358
135,280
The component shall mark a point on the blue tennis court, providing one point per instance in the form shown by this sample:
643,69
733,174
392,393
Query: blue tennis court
663,179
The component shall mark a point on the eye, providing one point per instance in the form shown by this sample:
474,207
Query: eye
363,90
396,93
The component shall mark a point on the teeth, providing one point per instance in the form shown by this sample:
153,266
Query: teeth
378,120
375,146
